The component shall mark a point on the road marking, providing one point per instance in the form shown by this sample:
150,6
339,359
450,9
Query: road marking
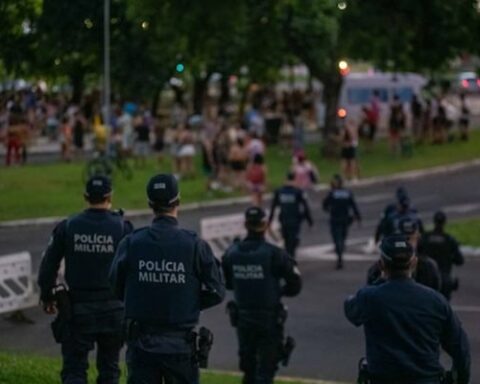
466,308
374,198
461,208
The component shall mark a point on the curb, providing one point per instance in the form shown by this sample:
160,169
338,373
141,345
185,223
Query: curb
402,176
286,379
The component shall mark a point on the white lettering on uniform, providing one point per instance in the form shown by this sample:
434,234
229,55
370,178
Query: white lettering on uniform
341,194
286,198
248,272
161,272
93,243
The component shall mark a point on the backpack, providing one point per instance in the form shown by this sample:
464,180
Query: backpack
256,174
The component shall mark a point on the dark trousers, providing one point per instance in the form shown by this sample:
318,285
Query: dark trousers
154,368
259,350
291,238
75,349
339,231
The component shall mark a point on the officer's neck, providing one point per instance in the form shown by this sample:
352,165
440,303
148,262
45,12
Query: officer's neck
255,235
101,206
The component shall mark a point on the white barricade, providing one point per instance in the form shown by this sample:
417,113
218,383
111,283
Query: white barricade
221,231
16,284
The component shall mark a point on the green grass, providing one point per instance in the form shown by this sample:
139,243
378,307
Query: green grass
29,369
467,232
56,189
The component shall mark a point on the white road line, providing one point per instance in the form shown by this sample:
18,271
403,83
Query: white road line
461,208
466,308
375,198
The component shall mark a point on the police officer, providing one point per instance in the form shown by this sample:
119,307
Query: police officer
89,314
390,209
340,204
426,272
406,323
165,275
404,210
260,274
445,250
293,210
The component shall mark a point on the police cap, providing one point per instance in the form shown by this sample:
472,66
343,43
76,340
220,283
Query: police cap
255,217
401,193
98,187
163,190
396,251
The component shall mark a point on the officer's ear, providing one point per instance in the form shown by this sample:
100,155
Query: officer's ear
413,263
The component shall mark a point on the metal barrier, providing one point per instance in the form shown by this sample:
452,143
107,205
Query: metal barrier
17,290
221,231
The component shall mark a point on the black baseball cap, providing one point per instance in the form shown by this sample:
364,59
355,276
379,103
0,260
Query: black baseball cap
163,189
439,217
396,251
255,216
401,193
98,187
408,226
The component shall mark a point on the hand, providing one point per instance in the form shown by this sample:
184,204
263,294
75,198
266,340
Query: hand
50,308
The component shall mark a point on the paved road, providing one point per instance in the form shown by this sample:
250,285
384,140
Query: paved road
328,347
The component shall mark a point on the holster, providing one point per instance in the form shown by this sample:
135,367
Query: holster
288,345
233,313
61,325
363,374
203,344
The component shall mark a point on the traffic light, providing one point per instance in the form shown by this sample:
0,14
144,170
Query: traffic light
180,67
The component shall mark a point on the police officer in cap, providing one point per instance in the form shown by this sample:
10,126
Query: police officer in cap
293,210
259,274
445,250
165,275
391,225
89,313
340,204
426,272
406,324
390,209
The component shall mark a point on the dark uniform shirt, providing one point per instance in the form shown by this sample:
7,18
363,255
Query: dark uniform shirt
260,273
405,325
166,275
87,242
293,206
391,225
340,203
442,248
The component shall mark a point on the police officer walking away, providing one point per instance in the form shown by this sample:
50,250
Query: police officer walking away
445,250
260,274
165,275
340,204
426,271
88,313
406,323
293,210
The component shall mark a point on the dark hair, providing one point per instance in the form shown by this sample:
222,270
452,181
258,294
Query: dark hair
240,142
94,200
161,209
258,159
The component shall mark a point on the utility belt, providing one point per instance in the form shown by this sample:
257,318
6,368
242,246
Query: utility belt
201,340
365,377
86,296
280,314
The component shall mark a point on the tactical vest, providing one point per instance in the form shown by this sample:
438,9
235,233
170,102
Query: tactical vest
91,241
254,282
290,213
163,282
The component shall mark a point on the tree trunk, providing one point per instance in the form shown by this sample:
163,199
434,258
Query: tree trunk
179,95
155,101
243,100
224,92
332,85
199,92
76,80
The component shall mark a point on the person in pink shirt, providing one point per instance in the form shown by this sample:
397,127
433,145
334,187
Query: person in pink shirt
306,174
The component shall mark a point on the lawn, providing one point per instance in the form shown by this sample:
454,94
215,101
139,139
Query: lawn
29,369
56,189
467,232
